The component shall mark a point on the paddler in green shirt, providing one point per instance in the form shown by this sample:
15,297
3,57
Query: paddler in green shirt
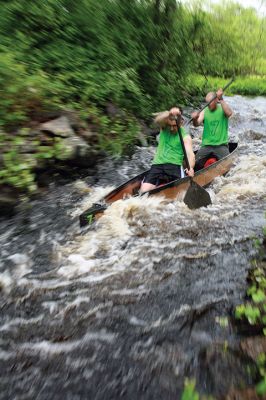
215,131
168,160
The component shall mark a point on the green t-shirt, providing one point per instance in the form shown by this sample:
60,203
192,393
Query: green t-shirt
169,150
215,130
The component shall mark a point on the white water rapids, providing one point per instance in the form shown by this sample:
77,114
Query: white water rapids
98,312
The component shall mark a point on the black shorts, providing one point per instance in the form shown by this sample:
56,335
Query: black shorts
163,173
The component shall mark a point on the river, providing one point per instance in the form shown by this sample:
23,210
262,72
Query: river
129,308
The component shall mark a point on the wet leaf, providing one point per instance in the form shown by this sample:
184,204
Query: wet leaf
259,296
261,387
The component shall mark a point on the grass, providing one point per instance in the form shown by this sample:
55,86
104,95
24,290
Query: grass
197,85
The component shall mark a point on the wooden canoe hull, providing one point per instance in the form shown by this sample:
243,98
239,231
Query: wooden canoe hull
175,190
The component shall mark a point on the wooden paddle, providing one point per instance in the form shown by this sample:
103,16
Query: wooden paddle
206,105
196,195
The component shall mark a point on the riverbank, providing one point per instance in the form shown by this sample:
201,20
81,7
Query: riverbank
56,141
199,85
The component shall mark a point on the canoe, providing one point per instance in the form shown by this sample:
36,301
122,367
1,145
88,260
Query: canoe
174,190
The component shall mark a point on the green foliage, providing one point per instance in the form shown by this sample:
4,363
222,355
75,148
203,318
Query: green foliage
54,151
198,85
21,157
190,392
17,168
261,386
135,55
222,321
93,52
22,94
219,44
142,56
251,313
115,135
254,311
251,86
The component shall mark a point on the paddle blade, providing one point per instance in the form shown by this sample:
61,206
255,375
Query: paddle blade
196,196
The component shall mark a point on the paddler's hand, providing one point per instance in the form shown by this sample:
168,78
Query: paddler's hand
219,94
174,112
195,115
190,172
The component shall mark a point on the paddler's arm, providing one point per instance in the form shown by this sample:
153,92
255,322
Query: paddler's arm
228,112
198,118
190,155
161,118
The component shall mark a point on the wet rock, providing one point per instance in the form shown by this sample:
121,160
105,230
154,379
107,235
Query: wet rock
113,111
90,137
81,155
75,122
253,347
247,394
43,116
142,139
215,362
8,200
75,139
146,133
58,127
235,119
73,148
254,135
257,119
28,147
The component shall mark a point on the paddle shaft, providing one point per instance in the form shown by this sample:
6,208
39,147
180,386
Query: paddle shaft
184,149
209,102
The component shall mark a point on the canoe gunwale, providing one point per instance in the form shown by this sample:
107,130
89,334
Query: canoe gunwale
175,183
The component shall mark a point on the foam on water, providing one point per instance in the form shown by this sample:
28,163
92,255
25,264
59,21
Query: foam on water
246,179
18,322
101,251
45,347
95,195
22,265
